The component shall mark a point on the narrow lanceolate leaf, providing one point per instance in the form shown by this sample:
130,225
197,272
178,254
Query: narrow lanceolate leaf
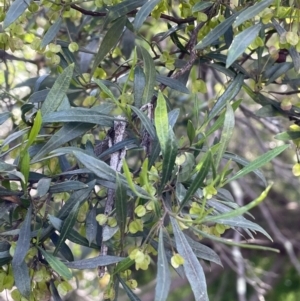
145,121
169,157
131,295
91,226
15,10
203,252
58,91
122,9
92,263
149,69
252,11
22,278
259,162
161,121
67,226
105,89
201,6
163,278
67,133
25,167
79,115
121,206
231,91
109,41
23,243
54,293
51,33
67,186
198,180
4,116
59,267
143,13
139,86
241,42
193,269
35,129
226,134
217,32
172,83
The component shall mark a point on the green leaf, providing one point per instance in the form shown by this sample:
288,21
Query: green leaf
109,41
288,135
122,9
54,293
163,278
64,249
169,157
191,131
91,226
150,73
131,295
231,91
23,243
24,167
104,88
79,115
241,42
123,265
22,278
145,121
67,133
16,9
92,263
51,32
121,206
193,269
259,162
203,167
14,136
35,129
58,91
172,83
217,32
67,226
161,121
201,6
144,13
59,267
226,134
252,11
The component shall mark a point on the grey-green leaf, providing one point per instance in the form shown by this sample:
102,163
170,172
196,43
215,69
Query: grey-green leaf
217,32
143,13
109,41
231,91
58,91
121,206
201,6
145,121
172,83
193,269
226,134
67,226
79,115
15,10
241,42
92,263
150,72
43,186
139,85
131,295
22,278
259,162
67,133
4,116
91,225
252,11
163,278
23,243
51,32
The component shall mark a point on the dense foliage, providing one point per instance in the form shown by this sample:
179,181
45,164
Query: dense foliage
118,143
